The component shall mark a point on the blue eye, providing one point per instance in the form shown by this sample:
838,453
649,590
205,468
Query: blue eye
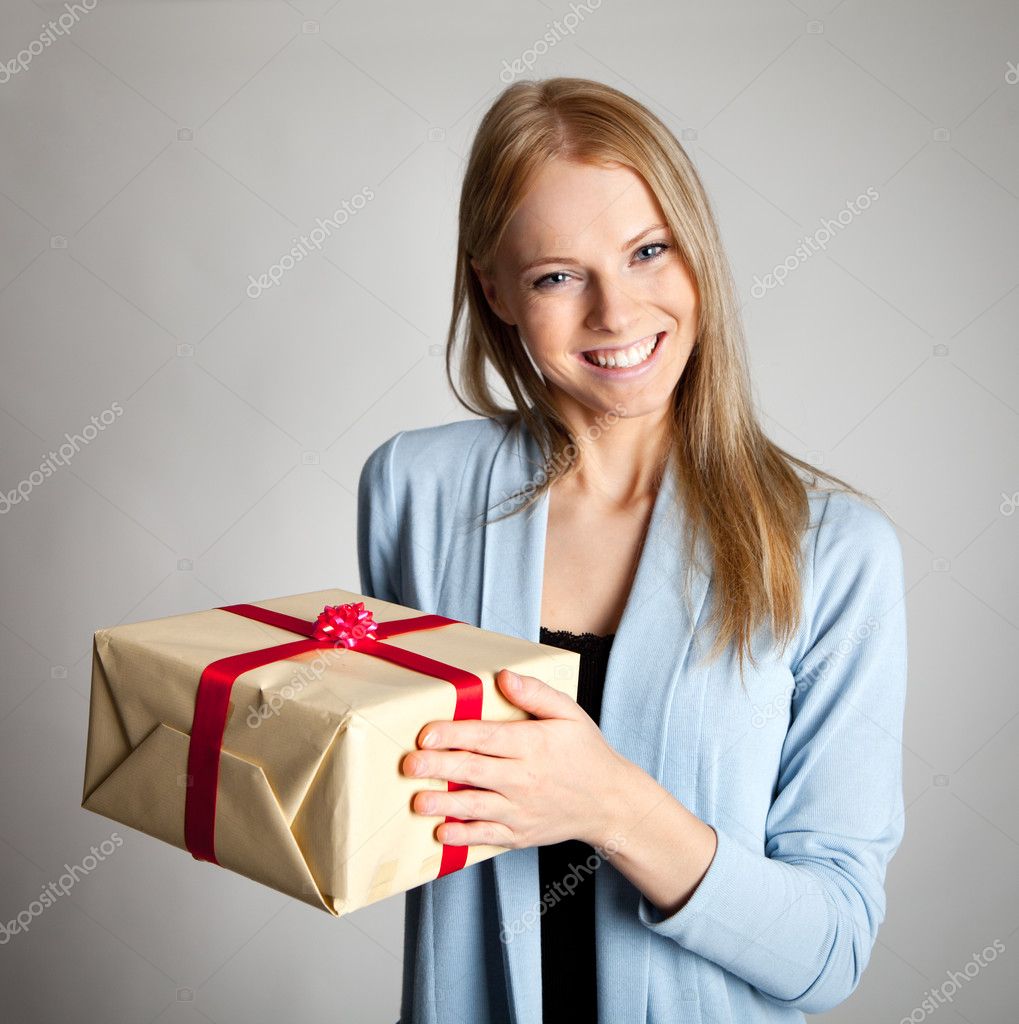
544,284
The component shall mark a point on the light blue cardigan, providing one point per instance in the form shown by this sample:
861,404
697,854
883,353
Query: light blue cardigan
801,777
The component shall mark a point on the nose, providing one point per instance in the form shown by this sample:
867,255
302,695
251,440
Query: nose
614,310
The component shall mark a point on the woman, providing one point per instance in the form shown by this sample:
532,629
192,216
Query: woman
741,801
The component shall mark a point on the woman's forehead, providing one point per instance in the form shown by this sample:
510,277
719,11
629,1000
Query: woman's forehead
573,208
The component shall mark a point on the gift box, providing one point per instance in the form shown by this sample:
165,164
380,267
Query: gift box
267,738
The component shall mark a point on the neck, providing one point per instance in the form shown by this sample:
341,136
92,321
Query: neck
619,459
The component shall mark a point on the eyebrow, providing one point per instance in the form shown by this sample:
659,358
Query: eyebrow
542,260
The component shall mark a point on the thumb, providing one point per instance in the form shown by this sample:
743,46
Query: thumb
535,696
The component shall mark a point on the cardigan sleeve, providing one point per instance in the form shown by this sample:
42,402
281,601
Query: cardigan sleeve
798,919
378,550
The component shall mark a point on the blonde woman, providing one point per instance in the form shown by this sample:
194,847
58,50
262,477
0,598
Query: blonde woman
703,834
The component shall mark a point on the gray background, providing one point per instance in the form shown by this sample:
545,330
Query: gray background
160,153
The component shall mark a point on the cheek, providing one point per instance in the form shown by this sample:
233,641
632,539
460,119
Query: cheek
545,325
683,304
676,290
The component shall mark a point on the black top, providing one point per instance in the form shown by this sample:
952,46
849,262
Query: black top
568,986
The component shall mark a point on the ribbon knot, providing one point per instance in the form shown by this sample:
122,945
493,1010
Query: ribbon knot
344,624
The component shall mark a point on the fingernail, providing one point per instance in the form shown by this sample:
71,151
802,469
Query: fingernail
513,681
428,740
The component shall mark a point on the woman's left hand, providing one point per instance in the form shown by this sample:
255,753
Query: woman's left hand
532,782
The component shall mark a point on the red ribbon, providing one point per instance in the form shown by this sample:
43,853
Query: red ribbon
347,625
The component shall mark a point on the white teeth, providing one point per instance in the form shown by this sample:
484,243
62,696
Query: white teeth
622,360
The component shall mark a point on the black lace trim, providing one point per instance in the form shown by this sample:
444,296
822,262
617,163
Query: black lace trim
592,643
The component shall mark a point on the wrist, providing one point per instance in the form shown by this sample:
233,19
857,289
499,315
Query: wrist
616,812
653,839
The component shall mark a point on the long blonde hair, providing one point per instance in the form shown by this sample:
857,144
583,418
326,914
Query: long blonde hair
735,484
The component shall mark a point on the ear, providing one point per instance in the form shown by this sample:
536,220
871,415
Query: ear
491,295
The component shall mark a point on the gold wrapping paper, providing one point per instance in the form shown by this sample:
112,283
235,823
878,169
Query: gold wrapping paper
311,799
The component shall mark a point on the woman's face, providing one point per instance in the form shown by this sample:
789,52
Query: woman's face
587,265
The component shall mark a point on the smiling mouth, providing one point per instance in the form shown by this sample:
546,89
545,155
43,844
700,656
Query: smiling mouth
624,358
